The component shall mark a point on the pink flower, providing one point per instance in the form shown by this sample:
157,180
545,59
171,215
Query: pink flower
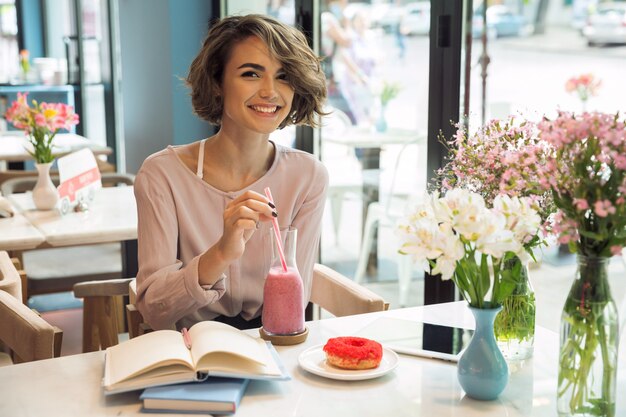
603,208
40,122
584,85
581,204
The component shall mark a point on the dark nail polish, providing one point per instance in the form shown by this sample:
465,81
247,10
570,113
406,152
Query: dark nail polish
271,205
274,214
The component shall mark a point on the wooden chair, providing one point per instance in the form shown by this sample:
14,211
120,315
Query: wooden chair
341,296
40,281
330,291
15,174
22,330
22,181
103,311
10,276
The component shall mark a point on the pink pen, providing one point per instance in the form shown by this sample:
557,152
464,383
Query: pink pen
186,337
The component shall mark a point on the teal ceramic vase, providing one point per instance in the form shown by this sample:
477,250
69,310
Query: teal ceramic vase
482,369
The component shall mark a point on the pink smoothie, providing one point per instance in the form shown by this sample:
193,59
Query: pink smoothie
283,312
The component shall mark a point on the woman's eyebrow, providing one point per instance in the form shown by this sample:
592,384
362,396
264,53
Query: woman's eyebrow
258,67
253,66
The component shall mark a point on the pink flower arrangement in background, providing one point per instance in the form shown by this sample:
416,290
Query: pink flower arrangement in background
586,172
585,85
41,122
501,158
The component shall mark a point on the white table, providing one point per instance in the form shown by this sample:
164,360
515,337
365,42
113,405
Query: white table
18,234
365,137
70,386
112,217
12,146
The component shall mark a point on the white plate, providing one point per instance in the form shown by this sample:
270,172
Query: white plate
314,361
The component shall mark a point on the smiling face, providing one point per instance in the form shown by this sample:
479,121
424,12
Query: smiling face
257,96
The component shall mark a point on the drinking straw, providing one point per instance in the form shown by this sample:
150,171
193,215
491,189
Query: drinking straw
268,194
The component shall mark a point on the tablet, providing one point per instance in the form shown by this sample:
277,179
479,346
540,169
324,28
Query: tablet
417,338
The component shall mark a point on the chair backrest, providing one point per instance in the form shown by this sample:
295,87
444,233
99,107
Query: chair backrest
10,280
341,296
23,183
103,311
26,182
114,179
29,336
330,290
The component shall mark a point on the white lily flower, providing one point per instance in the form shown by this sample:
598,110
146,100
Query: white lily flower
466,212
421,239
445,267
521,218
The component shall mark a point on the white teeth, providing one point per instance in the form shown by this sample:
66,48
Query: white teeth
264,109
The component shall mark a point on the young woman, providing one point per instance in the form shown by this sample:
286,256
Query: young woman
203,217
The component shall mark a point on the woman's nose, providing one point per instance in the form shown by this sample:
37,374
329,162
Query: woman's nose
267,89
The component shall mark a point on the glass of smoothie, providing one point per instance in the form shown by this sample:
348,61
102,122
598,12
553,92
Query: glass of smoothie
283,309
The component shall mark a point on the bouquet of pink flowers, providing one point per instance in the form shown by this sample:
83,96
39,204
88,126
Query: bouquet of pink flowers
587,176
501,158
584,85
41,122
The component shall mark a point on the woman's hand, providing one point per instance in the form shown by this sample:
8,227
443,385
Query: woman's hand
241,218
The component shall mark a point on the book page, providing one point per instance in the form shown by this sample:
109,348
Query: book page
144,353
218,344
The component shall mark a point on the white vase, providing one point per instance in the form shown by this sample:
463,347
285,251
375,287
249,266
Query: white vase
45,195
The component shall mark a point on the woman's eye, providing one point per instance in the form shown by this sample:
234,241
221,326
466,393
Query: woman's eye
282,77
250,74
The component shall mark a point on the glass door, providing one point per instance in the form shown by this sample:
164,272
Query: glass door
544,57
9,62
374,143
537,53
88,43
76,33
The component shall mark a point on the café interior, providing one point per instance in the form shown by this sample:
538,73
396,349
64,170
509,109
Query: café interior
67,274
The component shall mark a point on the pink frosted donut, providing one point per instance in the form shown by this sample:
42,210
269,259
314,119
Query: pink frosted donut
353,352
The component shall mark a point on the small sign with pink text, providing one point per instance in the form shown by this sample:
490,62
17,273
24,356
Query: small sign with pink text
79,180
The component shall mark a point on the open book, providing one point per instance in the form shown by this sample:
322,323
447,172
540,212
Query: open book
162,358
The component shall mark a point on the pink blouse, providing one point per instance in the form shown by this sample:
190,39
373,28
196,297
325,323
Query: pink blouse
180,217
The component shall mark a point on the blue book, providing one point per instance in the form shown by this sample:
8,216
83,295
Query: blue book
215,396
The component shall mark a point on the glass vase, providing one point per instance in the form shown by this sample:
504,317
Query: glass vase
589,341
482,370
515,325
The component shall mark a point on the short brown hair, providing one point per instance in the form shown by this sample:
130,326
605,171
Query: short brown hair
286,44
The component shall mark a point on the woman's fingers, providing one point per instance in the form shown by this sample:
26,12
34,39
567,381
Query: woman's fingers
253,201
241,219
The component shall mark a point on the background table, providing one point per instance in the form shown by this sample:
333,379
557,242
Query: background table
71,385
18,234
111,218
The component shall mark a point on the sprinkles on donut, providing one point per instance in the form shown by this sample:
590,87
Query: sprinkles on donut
353,352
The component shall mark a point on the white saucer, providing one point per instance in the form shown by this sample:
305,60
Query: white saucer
314,361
